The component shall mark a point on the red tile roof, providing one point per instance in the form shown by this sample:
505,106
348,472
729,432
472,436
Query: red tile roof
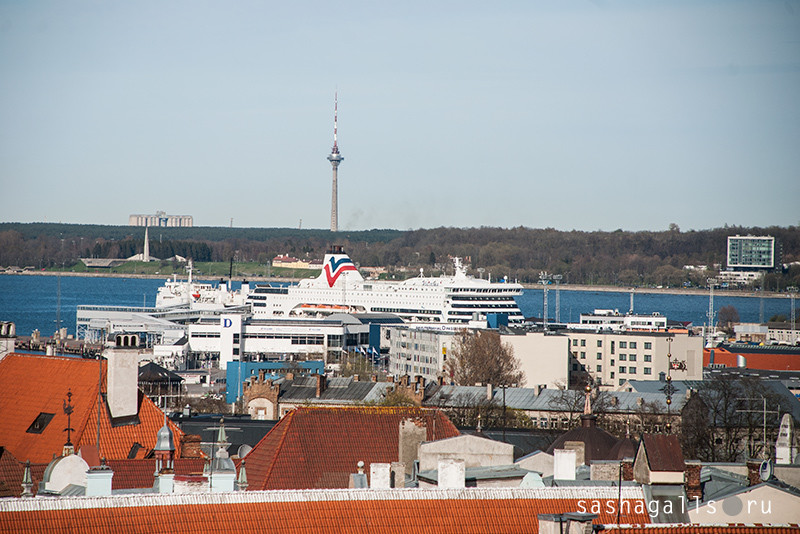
130,474
10,475
320,447
471,510
35,384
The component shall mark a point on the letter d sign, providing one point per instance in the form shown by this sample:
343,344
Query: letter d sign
226,323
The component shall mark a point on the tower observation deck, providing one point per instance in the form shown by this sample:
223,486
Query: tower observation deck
335,158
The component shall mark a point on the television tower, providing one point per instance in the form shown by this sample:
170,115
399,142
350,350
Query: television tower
335,158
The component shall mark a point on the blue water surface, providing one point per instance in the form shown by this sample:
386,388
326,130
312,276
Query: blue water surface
32,302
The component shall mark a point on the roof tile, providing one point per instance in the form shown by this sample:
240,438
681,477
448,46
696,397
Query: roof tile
34,384
320,447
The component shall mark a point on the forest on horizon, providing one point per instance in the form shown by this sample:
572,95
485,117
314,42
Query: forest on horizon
620,257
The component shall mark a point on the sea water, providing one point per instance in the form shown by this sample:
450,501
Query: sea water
44,302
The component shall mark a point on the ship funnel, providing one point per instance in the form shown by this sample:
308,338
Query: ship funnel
336,267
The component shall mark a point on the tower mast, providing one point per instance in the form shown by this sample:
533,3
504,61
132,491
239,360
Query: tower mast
335,158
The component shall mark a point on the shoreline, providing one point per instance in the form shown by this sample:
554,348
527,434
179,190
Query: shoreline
562,287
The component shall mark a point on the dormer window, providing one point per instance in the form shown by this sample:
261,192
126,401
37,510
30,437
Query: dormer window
40,423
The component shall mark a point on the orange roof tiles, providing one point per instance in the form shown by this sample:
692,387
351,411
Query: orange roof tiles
316,511
320,447
10,475
35,384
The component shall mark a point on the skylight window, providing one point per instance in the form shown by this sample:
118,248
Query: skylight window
40,423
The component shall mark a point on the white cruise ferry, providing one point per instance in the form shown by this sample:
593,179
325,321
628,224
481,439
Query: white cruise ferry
199,295
341,288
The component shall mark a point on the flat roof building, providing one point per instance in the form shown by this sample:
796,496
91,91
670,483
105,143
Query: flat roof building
161,219
751,252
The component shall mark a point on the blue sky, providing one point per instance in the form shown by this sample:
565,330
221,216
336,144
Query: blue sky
570,115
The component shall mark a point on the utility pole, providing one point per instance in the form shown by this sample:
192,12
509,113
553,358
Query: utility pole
557,278
792,294
710,314
544,279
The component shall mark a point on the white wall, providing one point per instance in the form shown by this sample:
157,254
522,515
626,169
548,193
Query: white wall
544,359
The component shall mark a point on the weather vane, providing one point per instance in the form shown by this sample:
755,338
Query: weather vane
68,409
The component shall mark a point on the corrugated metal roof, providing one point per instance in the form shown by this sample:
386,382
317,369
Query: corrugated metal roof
547,399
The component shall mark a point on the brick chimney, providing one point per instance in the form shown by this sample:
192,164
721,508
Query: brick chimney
261,389
694,490
190,446
289,376
412,432
753,468
321,384
627,469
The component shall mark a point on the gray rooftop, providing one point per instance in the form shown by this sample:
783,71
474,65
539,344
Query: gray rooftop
548,399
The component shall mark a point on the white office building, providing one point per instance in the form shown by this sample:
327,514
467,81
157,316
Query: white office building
160,218
751,252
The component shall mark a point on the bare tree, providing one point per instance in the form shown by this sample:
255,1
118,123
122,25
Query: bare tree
480,357
728,316
722,421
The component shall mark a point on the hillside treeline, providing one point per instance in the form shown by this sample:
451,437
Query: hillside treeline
614,258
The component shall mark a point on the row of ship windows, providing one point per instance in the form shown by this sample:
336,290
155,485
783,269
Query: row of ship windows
485,306
483,299
468,313
406,310
477,290
259,291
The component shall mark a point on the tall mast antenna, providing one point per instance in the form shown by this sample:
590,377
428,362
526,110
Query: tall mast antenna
335,158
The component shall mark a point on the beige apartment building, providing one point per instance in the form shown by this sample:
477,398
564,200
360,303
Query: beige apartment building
611,358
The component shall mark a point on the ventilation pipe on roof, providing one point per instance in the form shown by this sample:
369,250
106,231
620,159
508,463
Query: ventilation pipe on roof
98,480
452,474
380,476
564,464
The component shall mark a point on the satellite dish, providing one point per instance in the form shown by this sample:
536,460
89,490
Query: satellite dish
765,470
244,449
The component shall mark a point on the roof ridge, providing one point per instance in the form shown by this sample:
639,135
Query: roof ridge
285,432
371,408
